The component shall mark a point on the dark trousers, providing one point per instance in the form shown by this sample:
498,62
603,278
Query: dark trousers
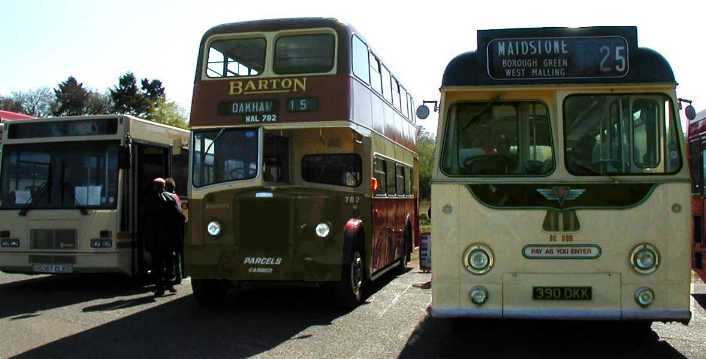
163,264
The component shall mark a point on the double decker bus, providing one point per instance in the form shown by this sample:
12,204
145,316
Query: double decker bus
697,149
560,188
72,192
304,166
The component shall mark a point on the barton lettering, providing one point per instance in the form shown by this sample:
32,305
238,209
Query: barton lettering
277,85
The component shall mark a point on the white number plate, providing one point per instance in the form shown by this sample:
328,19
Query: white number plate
53,268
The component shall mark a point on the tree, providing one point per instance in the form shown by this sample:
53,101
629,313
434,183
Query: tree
98,103
37,103
425,149
152,90
71,98
127,98
8,104
166,112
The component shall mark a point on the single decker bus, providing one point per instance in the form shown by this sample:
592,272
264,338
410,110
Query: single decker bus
72,192
560,187
304,166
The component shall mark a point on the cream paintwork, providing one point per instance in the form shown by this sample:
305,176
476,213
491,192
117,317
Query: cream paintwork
88,226
507,231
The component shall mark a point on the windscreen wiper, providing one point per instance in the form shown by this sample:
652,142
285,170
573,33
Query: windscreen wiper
213,142
44,189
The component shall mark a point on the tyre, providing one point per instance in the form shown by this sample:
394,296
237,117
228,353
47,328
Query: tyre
406,250
209,292
349,291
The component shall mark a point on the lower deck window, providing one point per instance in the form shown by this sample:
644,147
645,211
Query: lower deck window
333,169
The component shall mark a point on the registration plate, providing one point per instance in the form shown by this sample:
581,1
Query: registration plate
53,268
561,293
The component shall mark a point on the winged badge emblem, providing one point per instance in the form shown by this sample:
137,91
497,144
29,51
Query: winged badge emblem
561,194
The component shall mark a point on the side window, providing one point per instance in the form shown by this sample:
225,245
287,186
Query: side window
400,179
407,180
395,93
361,69
404,106
379,173
386,87
375,79
391,180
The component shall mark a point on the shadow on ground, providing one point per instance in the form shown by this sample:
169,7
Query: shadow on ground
29,297
455,338
700,298
252,321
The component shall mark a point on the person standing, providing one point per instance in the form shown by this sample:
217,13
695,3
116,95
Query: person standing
162,213
176,231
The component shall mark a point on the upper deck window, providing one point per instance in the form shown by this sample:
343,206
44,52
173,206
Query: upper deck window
300,54
498,139
620,135
360,53
236,57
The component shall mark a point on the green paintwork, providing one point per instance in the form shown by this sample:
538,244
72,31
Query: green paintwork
271,228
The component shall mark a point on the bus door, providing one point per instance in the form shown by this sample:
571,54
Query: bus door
150,162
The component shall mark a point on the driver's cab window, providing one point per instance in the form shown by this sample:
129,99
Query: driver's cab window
512,138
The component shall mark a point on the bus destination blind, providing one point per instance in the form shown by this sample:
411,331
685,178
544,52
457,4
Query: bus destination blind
558,58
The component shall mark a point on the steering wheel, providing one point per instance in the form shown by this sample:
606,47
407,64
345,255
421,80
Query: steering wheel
488,164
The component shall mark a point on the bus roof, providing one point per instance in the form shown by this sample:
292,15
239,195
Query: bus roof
572,55
7,115
271,25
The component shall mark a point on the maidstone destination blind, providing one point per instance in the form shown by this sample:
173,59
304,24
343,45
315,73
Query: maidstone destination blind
557,57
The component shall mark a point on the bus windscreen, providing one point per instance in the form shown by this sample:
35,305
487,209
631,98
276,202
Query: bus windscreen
498,139
620,135
63,175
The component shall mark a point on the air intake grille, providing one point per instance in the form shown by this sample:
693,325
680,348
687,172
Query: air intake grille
53,239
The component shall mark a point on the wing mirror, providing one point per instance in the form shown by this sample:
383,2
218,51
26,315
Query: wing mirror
690,112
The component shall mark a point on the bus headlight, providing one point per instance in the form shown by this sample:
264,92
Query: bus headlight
213,228
478,295
644,258
478,259
322,230
644,296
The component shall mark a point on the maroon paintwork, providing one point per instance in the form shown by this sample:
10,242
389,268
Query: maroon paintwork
390,216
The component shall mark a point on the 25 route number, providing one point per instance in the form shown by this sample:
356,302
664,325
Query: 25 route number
618,59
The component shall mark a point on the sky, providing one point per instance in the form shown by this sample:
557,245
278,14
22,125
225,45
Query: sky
43,42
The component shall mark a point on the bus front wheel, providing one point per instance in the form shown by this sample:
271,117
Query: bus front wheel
349,291
209,292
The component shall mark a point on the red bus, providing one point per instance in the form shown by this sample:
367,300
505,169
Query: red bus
697,161
7,115
304,163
